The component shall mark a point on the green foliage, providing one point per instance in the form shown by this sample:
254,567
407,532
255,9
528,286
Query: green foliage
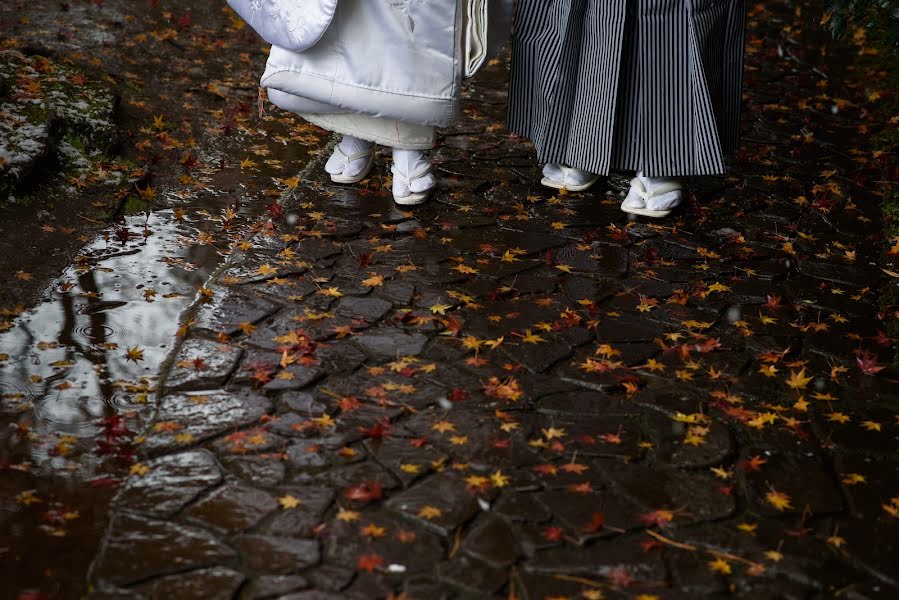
880,18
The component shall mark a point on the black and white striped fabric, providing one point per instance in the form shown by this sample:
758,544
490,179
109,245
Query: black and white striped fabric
651,85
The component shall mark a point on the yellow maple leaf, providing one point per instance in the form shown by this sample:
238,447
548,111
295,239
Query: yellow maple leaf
778,500
768,370
853,479
499,480
653,365
798,381
531,338
373,531
288,501
440,309
347,515
265,270
374,281
720,565
553,433
429,512
135,354
331,291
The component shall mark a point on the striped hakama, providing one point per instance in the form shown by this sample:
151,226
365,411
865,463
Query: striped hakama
651,85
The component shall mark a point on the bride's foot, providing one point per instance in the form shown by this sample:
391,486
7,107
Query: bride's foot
562,177
653,196
351,161
412,177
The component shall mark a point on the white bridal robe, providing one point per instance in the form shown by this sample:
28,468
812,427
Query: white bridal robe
389,71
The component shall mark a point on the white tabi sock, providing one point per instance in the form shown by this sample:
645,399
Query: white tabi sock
408,163
349,145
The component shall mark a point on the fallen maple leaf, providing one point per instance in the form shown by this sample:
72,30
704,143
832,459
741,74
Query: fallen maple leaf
553,534
798,381
288,501
364,492
369,562
867,363
720,565
778,500
429,512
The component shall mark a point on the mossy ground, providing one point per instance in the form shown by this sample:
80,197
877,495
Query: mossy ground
53,120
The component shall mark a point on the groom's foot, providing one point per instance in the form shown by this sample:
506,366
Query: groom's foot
563,177
653,196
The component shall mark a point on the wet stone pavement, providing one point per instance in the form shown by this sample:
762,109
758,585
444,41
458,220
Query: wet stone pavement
510,393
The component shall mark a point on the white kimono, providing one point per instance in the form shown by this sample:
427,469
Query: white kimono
399,61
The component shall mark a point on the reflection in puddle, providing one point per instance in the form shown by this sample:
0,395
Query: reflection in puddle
78,371
77,379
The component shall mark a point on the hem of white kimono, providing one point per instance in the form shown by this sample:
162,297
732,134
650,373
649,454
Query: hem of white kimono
439,110
380,130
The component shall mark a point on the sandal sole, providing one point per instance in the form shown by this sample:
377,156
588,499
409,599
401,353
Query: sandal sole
557,185
413,199
351,180
645,212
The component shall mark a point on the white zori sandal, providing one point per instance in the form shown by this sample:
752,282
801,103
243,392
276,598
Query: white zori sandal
560,177
413,179
653,196
351,161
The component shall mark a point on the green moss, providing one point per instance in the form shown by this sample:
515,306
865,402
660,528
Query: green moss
135,206
75,140
79,115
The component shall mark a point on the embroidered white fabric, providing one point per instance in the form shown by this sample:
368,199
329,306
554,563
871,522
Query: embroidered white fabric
292,24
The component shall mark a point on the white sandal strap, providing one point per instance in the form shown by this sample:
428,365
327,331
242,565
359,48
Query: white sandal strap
348,158
408,179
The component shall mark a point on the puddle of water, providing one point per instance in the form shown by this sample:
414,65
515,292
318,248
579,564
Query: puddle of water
72,393
77,374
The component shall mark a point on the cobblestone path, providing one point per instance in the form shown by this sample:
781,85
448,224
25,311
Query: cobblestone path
512,394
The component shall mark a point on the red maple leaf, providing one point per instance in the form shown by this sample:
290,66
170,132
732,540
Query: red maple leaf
773,302
553,533
104,482
275,211
378,431
620,577
348,403
597,521
867,362
458,395
546,469
754,463
364,492
882,338
370,562
581,488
